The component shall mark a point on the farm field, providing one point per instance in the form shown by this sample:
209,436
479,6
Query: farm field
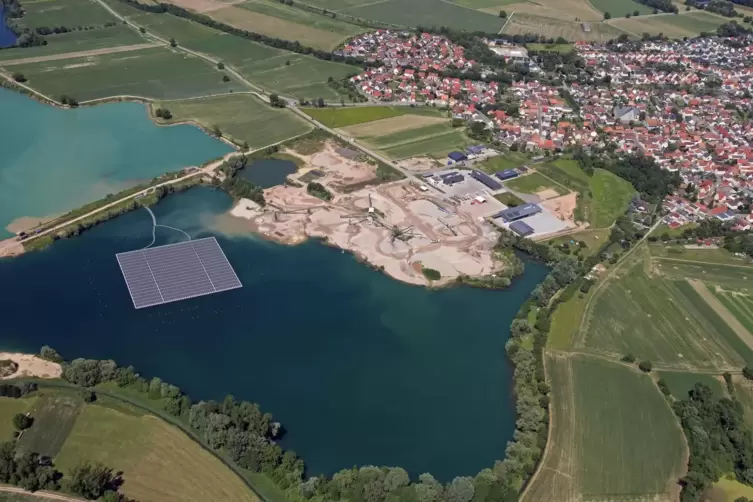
54,417
522,23
533,183
242,117
77,41
156,73
710,255
673,26
656,319
566,322
613,436
278,20
740,306
68,13
568,10
344,117
424,13
8,408
435,140
731,277
610,197
159,462
508,160
382,127
680,383
619,8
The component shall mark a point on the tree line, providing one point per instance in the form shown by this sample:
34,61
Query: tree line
235,185
26,37
292,46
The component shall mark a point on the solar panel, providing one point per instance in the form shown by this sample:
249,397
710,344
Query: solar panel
176,272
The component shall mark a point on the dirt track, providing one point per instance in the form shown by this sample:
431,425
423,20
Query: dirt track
71,55
725,314
41,495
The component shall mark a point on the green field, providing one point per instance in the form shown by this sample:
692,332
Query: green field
672,26
508,160
619,8
561,48
688,266
77,41
68,13
242,117
593,239
664,321
533,183
680,383
54,417
156,73
435,141
276,19
565,322
159,462
8,408
509,199
728,489
611,196
343,117
613,436
740,306
423,13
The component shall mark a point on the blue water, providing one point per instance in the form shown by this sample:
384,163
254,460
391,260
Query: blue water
7,37
54,160
361,369
267,173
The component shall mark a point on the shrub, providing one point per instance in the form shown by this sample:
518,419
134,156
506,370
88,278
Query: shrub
19,77
628,358
645,366
431,274
22,421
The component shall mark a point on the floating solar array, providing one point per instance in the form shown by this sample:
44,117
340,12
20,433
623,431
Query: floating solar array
176,272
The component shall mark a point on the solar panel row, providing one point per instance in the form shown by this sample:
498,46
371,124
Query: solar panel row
176,272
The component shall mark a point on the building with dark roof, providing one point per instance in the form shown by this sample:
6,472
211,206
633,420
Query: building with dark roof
457,156
487,180
518,212
521,228
507,174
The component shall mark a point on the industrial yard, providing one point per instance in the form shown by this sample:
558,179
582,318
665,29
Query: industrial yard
444,220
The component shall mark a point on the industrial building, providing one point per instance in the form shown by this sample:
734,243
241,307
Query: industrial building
486,180
456,157
518,213
521,228
507,174
452,178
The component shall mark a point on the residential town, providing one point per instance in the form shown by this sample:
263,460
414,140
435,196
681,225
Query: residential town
685,103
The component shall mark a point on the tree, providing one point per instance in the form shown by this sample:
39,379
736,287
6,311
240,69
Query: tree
142,29
636,13
645,366
217,131
173,43
627,15
396,478
320,103
607,16
628,358
748,373
21,421
225,78
220,65
19,77
92,481
460,490
50,354
502,14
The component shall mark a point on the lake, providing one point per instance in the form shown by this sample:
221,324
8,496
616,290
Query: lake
53,160
267,173
359,368
7,37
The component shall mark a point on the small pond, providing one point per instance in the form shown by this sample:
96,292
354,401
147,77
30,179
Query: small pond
267,173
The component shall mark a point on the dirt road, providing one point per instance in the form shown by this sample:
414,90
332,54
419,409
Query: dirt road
725,314
41,495
71,55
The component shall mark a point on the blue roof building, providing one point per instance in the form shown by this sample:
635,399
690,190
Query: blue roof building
457,156
521,228
518,212
486,180
507,174
475,149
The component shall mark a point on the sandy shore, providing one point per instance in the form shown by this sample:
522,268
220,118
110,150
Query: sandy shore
32,366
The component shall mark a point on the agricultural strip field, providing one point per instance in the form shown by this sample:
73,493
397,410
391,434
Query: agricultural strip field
403,123
159,462
730,277
8,408
680,383
613,435
343,117
69,13
521,24
533,183
424,13
619,8
565,322
54,418
275,70
157,73
77,41
709,255
568,10
435,141
278,20
664,321
243,117
673,26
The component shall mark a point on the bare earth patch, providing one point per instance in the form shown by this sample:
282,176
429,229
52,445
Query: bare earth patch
32,366
70,55
26,223
391,125
547,194
419,164
563,206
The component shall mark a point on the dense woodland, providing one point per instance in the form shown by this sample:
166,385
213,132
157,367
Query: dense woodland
662,5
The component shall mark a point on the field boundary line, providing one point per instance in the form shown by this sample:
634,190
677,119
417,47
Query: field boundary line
506,22
722,311
669,258
81,54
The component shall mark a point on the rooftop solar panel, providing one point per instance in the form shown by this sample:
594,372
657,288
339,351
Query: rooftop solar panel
176,272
